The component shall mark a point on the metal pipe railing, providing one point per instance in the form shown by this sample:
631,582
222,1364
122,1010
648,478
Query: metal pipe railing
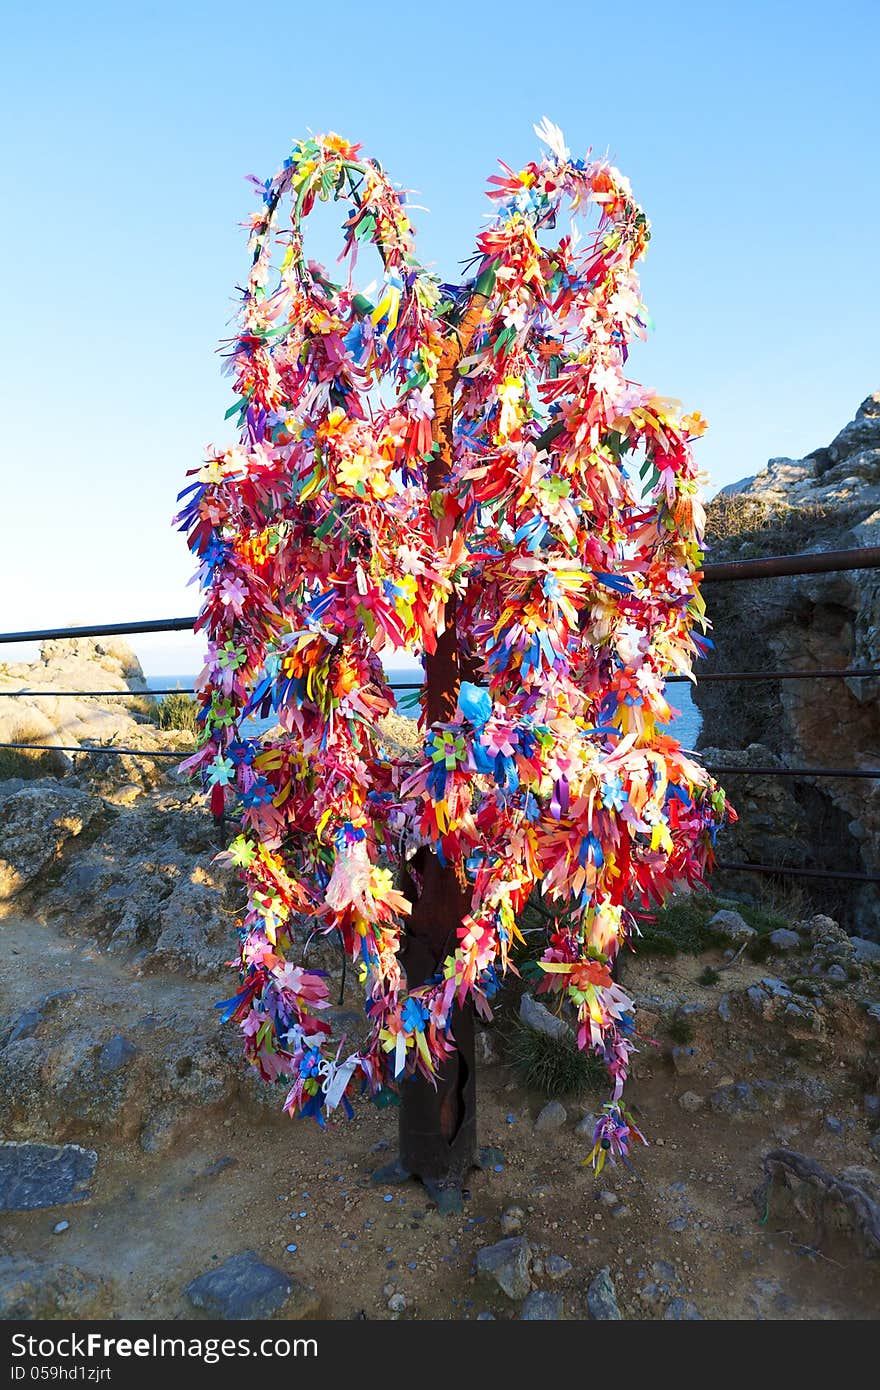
782,871
809,562
48,634
794,771
847,674
820,562
112,749
863,557
710,768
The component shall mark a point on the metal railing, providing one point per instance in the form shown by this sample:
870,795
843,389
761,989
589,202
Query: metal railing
822,562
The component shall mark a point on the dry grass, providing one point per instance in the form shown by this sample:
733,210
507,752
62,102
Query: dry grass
25,725
767,528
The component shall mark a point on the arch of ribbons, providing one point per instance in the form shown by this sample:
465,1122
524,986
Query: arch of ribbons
568,528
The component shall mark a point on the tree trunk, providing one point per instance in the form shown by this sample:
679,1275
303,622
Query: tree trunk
438,1124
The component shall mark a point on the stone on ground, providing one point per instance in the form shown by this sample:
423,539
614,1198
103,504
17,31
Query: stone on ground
507,1262
33,1176
244,1287
602,1298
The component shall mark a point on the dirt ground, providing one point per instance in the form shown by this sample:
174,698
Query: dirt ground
684,1224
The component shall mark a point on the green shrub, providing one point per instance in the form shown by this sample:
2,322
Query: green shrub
177,711
681,926
553,1066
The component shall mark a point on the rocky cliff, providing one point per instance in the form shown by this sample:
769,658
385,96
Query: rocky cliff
119,713
828,500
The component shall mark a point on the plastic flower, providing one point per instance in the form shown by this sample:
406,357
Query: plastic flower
243,852
221,771
613,794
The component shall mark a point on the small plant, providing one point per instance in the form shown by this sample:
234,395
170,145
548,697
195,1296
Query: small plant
681,1030
708,976
759,948
177,711
680,927
15,763
553,1066
764,917
683,925
30,727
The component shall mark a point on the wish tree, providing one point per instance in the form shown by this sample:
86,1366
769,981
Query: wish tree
464,472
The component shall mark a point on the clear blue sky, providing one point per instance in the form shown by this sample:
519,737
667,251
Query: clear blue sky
749,131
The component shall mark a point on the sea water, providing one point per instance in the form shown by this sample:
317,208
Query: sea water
685,727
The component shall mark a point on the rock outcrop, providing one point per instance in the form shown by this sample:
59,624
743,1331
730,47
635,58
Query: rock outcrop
828,500
32,713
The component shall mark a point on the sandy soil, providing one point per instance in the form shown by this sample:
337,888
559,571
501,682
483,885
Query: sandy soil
252,1179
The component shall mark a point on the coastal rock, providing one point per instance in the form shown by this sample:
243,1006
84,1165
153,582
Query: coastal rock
99,1064
146,886
33,1291
36,822
117,711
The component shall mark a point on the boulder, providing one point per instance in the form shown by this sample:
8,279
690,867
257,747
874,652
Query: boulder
36,823
864,951
731,926
507,1264
33,1176
536,1015
541,1306
244,1287
784,940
